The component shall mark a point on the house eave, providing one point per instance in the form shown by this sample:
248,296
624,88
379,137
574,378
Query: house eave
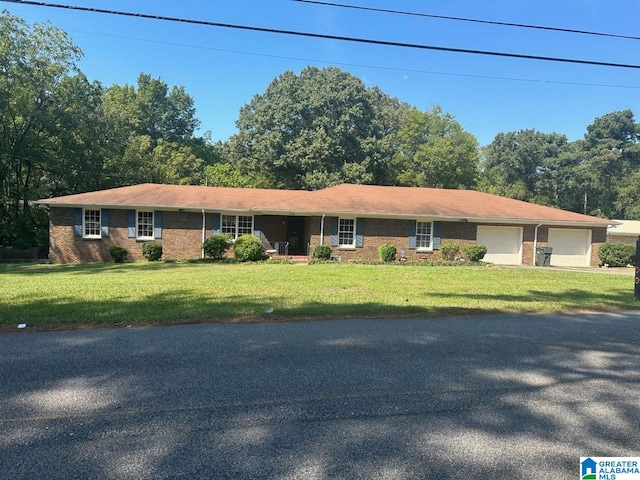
445,218
166,208
319,213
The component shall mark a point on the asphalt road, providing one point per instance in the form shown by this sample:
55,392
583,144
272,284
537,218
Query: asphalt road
501,397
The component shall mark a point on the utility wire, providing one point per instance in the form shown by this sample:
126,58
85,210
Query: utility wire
360,65
328,37
473,20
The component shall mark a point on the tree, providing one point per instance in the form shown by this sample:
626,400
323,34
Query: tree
525,165
316,129
177,164
611,156
61,134
628,200
152,127
433,150
34,63
84,141
162,113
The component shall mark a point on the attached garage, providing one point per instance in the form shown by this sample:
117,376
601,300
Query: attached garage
504,244
571,247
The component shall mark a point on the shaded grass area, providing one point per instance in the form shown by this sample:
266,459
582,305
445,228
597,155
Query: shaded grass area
46,295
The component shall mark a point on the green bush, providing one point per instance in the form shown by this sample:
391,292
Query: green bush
321,252
118,253
474,253
449,250
247,248
152,251
217,245
387,253
617,254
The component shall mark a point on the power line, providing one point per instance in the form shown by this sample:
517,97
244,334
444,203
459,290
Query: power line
329,37
362,65
473,20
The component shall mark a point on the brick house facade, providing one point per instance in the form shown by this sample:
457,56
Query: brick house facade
84,226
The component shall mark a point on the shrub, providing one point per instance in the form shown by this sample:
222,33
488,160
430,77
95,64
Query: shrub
247,248
617,254
216,246
387,253
474,253
449,250
152,251
321,252
118,253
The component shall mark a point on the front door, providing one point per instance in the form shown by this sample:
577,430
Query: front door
295,235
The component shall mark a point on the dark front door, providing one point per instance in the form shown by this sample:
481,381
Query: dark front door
295,235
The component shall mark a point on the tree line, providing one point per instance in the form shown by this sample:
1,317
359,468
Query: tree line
62,134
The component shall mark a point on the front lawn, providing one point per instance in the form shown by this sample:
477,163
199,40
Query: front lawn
46,295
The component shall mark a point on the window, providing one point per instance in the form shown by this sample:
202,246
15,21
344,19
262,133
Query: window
245,225
347,232
91,224
423,235
237,225
145,225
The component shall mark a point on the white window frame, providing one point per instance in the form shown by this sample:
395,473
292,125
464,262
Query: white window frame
238,225
420,245
342,231
138,224
93,228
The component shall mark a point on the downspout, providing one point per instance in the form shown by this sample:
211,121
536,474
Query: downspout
322,230
204,233
535,243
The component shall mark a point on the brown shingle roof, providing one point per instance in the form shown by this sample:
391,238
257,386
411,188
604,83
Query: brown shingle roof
345,199
438,203
176,196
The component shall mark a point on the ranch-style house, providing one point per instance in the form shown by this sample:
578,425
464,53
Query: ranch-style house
354,220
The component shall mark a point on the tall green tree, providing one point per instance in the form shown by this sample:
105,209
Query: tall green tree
163,113
83,139
61,133
611,156
628,201
523,165
34,62
316,129
153,127
433,150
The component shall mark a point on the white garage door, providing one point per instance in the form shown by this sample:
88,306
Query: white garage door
571,247
504,244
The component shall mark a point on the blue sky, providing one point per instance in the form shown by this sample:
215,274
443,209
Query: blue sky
223,68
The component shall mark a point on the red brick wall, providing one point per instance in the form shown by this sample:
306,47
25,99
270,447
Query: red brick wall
378,232
598,238
396,232
181,237
630,239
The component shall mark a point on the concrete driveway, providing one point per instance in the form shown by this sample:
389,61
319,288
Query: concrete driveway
506,397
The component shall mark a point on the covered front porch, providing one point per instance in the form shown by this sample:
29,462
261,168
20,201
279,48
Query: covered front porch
284,235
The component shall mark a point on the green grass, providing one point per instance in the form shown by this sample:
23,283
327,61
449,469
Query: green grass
45,295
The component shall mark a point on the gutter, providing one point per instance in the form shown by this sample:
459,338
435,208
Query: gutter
204,232
535,243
